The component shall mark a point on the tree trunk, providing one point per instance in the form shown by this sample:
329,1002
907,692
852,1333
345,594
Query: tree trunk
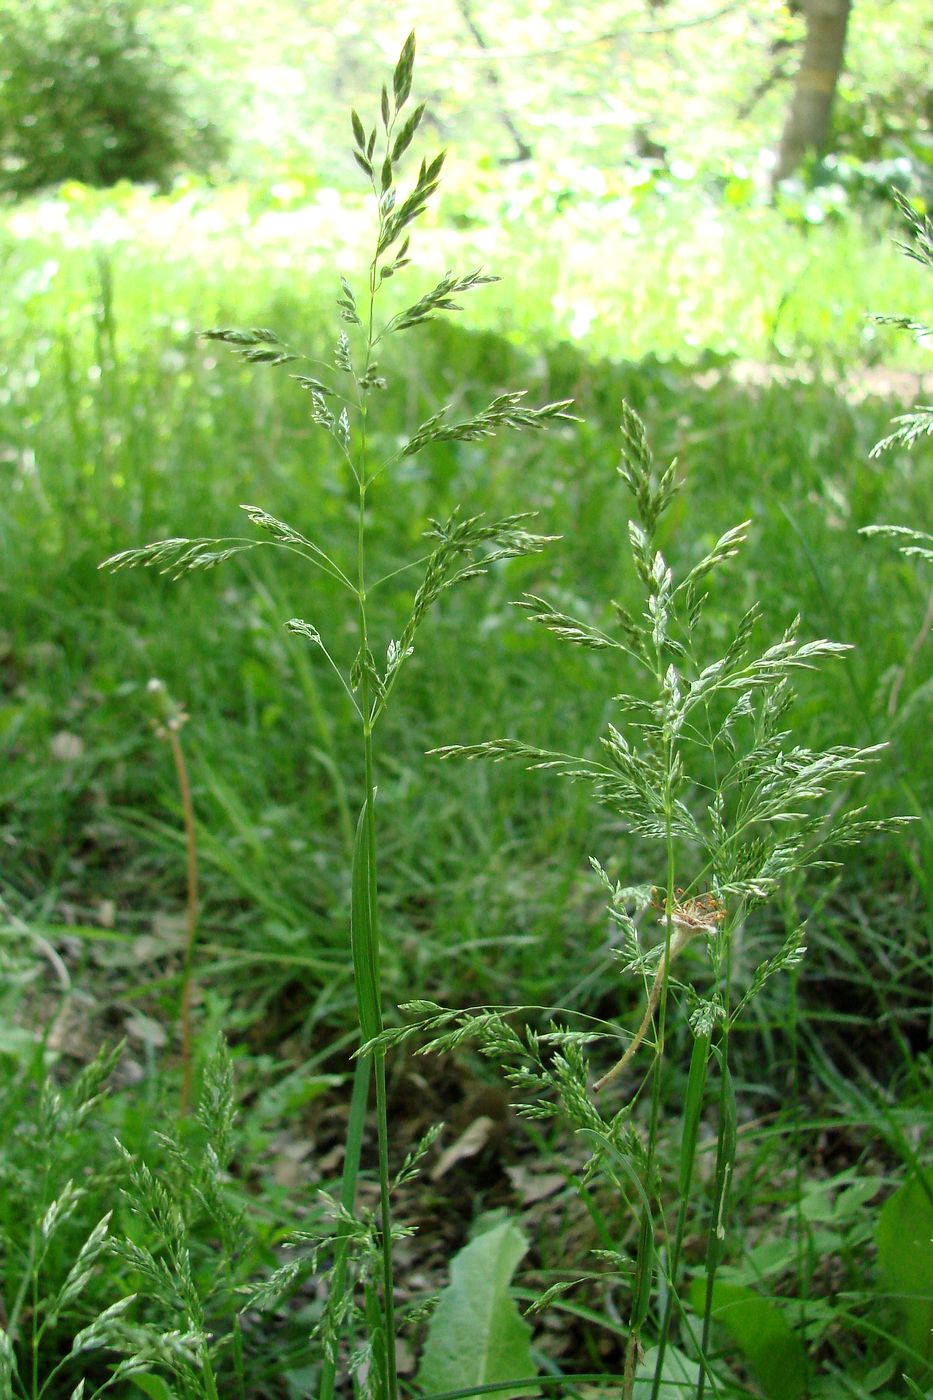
807,124
522,149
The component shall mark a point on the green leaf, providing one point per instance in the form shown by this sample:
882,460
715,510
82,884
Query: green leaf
7,1364
904,1238
760,1332
362,936
644,1273
725,1159
476,1335
693,1107
153,1386
679,1376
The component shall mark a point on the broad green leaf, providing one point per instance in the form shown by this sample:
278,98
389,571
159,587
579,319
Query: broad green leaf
7,1366
679,1376
758,1329
153,1386
477,1335
904,1237
17,1041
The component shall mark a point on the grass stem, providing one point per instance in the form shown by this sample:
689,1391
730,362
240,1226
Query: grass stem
351,1170
725,1161
191,921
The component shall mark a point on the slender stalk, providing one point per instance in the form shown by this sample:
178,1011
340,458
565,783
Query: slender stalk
464,548
191,921
369,841
725,1160
388,1277
351,1170
170,719
35,1334
800,1225
646,1241
26,1282
382,1124
236,1329
674,1263
210,1383
712,1246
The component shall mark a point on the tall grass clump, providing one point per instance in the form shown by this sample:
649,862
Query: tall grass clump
342,395
706,782
910,428
120,1265
908,697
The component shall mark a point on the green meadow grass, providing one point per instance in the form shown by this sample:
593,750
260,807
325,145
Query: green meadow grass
161,432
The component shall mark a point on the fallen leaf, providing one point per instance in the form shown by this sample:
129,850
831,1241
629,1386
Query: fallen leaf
170,928
145,1029
532,1186
468,1144
289,1167
67,747
404,1358
329,1161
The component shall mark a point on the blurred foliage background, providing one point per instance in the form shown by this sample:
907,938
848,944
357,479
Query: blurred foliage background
99,90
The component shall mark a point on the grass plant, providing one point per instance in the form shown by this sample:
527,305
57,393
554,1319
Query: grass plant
703,769
170,721
462,549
